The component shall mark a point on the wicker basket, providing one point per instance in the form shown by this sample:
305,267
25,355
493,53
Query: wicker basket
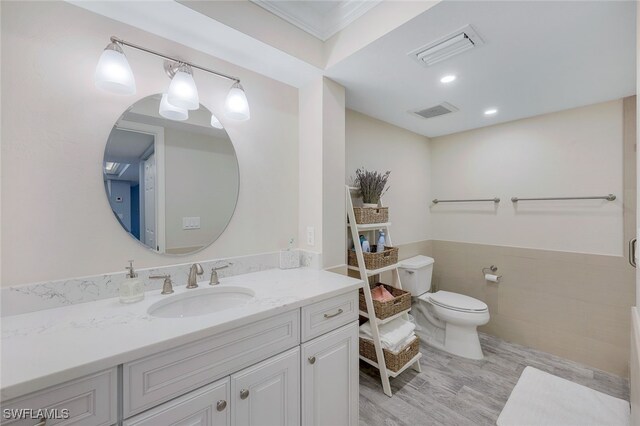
394,361
401,302
373,260
366,215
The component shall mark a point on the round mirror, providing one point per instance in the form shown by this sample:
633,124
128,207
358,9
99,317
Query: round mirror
171,183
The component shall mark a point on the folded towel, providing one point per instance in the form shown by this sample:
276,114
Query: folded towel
391,333
397,348
381,294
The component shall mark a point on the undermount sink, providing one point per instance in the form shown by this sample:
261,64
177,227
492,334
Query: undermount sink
201,301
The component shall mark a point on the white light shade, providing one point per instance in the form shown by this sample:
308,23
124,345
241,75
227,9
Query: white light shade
215,122
236,106
113,72
448,78
172,112
182,91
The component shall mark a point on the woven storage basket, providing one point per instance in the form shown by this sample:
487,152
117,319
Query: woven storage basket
401,302
394,361
375,260
366,215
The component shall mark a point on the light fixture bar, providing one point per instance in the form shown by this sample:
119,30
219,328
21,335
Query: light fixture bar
115,39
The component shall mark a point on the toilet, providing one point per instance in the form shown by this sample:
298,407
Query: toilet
445,320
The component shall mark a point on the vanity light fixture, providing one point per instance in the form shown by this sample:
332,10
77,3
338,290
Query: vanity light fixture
490,111
236,105
448,78
182,92
167,110
215,122
114,74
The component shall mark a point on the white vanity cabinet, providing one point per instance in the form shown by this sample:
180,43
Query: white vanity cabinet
330,393
299,367
206,406
268,393
88,401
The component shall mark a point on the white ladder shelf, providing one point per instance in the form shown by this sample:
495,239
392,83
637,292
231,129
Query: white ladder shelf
385,374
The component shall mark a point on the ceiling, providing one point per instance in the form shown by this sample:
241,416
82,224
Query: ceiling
537,57
320,18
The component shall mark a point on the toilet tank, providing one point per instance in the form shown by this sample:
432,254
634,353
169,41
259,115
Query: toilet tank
415,274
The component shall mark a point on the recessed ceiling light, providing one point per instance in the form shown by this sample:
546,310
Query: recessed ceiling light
447,79
490,111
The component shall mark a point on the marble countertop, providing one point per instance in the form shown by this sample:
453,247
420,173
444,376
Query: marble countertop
48,347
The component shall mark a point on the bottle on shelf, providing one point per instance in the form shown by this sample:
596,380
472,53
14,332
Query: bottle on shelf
381,242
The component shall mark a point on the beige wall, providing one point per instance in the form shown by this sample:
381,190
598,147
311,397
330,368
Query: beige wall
555,296
569,153
569,304
377,145
56,221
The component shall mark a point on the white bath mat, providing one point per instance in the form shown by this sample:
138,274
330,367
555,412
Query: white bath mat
542,399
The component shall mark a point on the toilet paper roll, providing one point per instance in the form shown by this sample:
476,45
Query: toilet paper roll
492,278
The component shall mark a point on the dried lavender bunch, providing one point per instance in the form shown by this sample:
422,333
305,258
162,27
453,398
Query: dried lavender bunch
371,184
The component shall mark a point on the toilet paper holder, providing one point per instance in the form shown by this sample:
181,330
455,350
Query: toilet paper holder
490,274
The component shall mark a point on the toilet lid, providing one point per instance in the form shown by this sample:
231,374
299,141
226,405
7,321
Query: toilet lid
458,302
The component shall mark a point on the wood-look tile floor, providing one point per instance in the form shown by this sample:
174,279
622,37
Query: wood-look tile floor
452,390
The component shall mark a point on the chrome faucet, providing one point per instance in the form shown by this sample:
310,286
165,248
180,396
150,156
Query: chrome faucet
196,269
214,280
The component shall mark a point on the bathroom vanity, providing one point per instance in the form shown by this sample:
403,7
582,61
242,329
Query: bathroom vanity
287,355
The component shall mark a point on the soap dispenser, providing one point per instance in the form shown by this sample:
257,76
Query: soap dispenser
132,288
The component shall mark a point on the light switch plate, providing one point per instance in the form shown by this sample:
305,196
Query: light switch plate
191,223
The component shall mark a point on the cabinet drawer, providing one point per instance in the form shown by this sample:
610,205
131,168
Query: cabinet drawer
90,401
207,406
158,378
328,315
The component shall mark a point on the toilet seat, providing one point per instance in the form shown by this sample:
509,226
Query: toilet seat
455,302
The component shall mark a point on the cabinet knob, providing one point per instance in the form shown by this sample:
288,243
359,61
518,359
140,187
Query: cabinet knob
221,405
244,394
312,360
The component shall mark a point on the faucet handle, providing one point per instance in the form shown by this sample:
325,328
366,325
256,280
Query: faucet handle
216,268
167,287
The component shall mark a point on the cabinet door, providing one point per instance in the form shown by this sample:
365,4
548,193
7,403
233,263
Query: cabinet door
207,406
330,378
268,393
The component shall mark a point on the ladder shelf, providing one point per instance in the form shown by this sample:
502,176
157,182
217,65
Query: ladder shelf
355,228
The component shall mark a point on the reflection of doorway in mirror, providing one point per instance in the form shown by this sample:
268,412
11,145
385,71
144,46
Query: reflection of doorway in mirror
149,210
149,177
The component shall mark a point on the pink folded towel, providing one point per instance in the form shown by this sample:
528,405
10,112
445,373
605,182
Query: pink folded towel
381,294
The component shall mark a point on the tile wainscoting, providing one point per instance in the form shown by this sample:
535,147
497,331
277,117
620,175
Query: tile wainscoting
574,305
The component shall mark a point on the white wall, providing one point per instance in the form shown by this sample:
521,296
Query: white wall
334,222
377,145
576,152
322,165
56,220
201,174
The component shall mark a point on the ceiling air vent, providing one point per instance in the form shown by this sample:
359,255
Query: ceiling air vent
444,48
436,111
